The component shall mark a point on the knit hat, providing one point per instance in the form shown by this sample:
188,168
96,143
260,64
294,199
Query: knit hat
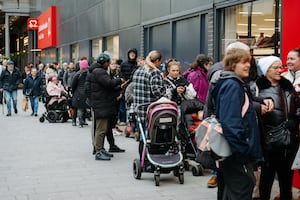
266,62
84,64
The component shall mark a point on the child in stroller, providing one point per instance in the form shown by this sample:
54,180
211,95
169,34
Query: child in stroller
55,100
131,128
160,152
191,116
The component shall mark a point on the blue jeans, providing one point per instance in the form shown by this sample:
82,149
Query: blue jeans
122,110
34,102
8,96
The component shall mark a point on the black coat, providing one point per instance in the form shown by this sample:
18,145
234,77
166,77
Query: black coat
78,88
103,92
10,81
33,85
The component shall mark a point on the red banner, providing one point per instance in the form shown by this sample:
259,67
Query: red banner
289,30
47,28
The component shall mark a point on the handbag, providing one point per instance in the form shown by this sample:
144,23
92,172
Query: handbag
279,137
212,145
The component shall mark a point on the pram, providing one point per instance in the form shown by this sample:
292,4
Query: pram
160,152
56,112
188,123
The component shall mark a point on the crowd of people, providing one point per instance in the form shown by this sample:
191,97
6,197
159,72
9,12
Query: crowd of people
110,87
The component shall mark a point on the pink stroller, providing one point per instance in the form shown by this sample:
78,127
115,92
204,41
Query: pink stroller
160,151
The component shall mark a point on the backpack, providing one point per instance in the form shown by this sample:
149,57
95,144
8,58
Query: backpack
211,143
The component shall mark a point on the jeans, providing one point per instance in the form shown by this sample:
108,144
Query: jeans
8,95
122,110
34,102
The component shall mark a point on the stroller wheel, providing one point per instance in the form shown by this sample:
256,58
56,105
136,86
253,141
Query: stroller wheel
52,116
195,171
137,169
42,119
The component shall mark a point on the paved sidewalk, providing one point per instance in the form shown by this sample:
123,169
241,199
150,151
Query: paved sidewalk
43,161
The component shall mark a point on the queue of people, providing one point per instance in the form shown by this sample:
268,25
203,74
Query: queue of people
223,88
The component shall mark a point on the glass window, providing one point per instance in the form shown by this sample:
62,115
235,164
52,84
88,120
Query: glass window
75,53
255,24
112,44
96,47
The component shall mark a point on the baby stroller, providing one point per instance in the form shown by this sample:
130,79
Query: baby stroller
56,112
188,123
160,152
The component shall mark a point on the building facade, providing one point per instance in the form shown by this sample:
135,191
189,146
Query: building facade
177,28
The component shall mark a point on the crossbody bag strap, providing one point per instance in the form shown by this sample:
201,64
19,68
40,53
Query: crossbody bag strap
246,105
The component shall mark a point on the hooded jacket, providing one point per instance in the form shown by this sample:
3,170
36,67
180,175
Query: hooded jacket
242,133
129,66
103,91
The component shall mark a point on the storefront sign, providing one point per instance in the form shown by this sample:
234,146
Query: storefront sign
32,24
47,28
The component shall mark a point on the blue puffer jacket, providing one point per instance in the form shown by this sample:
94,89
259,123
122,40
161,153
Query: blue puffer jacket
242,133
10,81
33,84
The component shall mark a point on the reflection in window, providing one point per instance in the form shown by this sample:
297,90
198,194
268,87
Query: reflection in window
112,44
96,47
254,24
75,53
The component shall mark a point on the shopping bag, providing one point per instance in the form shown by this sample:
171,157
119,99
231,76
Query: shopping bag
25,104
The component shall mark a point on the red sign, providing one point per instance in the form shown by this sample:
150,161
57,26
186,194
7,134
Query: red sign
32,24
47,28
289,31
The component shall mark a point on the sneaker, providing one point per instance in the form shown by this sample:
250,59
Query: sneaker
73,123
8,114
101,156
103,151
212,182
32,114
16,111
35,114
116,149
80,126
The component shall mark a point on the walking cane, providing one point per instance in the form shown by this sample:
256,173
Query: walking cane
2,102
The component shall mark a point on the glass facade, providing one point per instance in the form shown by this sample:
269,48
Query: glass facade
255,24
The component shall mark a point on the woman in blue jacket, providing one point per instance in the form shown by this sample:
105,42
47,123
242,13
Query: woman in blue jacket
241,132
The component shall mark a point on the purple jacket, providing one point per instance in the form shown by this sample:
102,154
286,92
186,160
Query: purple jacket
199,80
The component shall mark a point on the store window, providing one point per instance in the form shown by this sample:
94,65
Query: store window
74,53
96,47
112,46
255,24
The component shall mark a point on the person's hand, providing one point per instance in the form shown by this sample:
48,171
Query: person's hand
1,89
180,89
263,109
270,104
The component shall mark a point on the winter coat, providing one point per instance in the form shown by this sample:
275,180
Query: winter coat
272,119
32,86
10,81
128,67
78,89
242,133
171,89
103,92
198,77
68,77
